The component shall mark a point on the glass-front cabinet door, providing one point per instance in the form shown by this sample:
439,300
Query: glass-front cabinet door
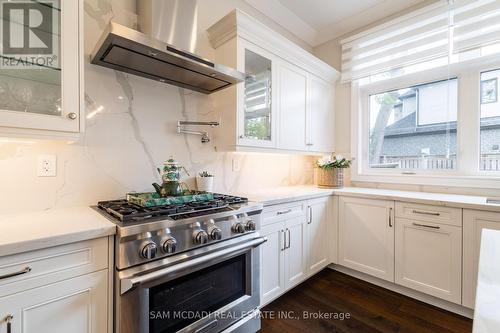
39,65
256,116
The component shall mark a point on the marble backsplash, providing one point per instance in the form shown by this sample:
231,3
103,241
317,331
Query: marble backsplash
130,130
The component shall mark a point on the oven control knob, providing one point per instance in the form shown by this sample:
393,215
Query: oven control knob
169,245
238,228
200,237
149,250
215,233
250,225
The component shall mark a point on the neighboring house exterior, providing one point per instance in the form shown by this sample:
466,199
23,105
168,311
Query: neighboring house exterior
432,145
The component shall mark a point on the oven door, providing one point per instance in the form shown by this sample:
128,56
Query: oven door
204,294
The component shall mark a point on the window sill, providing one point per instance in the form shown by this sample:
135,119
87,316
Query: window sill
477,181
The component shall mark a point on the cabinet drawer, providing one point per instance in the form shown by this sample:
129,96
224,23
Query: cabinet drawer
36,268
282,212
436,214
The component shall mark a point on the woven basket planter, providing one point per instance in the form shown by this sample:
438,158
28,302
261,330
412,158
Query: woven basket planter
331,178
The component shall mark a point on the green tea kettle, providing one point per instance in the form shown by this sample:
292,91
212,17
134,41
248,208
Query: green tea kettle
171,179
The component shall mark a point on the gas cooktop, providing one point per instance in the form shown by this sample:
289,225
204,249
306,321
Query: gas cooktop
124,211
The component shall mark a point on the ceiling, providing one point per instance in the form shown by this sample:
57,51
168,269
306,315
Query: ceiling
318,21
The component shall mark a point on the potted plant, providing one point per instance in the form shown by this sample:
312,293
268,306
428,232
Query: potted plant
331,171
205,181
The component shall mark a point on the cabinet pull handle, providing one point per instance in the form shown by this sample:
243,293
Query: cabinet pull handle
284,240
24,271
8,319
289,238
426,226
425,213
390,217
281,212
310,214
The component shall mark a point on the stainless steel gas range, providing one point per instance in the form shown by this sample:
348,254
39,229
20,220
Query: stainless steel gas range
187,268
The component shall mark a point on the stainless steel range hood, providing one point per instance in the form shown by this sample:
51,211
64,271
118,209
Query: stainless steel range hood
159,52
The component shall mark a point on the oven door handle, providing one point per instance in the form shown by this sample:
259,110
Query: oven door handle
128,283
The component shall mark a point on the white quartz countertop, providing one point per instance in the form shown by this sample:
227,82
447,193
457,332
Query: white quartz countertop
277,195
487,312
38,230
440,199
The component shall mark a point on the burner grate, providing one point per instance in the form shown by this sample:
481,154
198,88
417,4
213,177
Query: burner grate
129,212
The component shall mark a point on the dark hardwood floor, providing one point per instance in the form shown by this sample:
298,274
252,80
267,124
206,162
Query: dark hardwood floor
371,309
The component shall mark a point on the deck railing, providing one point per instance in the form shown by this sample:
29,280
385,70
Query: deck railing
489,162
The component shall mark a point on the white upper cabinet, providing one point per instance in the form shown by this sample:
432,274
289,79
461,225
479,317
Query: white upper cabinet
256,118
320,115
292,106
40,96
286,101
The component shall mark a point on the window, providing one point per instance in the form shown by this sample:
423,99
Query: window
490,121
414,128
425,104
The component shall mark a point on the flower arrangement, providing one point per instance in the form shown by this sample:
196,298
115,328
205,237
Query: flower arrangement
333,162
331,171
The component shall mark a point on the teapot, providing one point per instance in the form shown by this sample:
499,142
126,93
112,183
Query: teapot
171,179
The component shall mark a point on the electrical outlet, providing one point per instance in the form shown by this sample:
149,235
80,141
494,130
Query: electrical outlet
236,165
47,165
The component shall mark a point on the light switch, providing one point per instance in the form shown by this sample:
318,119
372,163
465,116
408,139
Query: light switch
47,165
236,165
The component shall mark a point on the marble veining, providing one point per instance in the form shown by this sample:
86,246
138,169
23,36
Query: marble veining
130,130
124,83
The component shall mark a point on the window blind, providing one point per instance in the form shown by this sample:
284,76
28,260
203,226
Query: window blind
430,33
475,24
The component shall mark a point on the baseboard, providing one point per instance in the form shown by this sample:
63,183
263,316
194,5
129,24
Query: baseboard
452,307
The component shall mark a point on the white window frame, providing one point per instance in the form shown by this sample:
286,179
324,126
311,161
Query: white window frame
467,172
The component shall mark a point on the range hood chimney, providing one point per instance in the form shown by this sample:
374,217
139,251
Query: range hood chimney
165,48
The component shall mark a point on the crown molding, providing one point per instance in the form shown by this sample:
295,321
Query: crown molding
239,24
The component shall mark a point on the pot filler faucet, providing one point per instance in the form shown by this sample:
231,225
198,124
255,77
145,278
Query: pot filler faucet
205,138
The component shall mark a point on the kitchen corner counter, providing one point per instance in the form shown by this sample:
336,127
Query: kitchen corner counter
438,199
283,194
487,313
38,230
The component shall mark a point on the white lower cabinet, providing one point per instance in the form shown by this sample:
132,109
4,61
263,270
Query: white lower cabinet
295,251
366,236
272,262
65,288
428,258
318,236
297,245
283,257
77,305
474,222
